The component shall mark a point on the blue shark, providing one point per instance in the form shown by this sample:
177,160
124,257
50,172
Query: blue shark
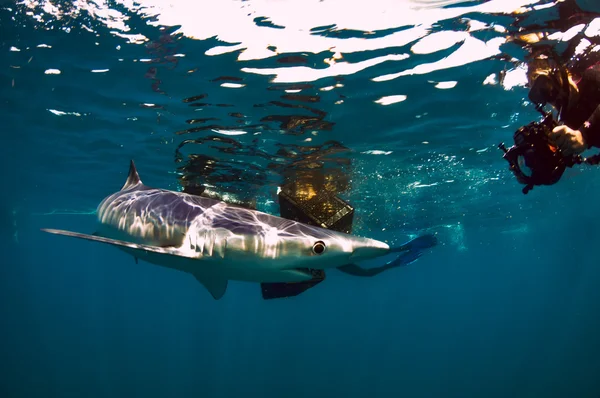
217,242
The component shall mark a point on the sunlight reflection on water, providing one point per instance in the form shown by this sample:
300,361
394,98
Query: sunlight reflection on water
379,79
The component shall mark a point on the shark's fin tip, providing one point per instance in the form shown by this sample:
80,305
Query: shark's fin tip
215,285
133,178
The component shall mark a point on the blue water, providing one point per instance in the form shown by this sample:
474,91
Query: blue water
505,306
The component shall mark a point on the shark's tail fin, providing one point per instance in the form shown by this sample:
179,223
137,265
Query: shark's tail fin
133,179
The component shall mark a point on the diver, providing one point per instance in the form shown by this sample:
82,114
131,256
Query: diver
575,94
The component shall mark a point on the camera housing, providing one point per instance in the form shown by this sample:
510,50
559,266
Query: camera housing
534,158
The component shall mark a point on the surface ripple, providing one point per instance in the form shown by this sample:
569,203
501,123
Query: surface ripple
397,106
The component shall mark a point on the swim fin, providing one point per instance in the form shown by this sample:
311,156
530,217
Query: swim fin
417,244
412,250
291,289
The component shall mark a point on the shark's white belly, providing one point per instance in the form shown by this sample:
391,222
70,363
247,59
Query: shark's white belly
251,271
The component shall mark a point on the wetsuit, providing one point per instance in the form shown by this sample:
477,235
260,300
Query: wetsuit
584,115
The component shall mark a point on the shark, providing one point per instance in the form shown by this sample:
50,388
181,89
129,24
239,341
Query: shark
218,242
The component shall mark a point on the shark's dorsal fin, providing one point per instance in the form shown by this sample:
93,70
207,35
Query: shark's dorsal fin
133,178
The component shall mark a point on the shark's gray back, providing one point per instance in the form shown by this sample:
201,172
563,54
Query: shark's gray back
153,216
162,217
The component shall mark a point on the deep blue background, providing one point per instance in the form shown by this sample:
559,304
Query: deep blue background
506,306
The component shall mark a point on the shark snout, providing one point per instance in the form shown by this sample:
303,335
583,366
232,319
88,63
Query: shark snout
369,248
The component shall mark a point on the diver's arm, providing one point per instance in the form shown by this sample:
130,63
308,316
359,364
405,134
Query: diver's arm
572,141
590,129
590,91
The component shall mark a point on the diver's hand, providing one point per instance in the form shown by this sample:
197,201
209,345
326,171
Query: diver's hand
569,141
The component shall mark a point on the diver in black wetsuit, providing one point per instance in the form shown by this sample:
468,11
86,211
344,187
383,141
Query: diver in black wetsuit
576,97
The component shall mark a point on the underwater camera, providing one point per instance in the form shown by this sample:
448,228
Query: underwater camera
535,159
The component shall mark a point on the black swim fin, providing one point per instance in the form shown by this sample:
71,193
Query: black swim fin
417,244
291,289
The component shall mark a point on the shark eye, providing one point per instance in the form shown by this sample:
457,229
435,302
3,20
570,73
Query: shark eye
318,247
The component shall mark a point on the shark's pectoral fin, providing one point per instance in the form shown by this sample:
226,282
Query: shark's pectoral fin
215,285
291,289
131,246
